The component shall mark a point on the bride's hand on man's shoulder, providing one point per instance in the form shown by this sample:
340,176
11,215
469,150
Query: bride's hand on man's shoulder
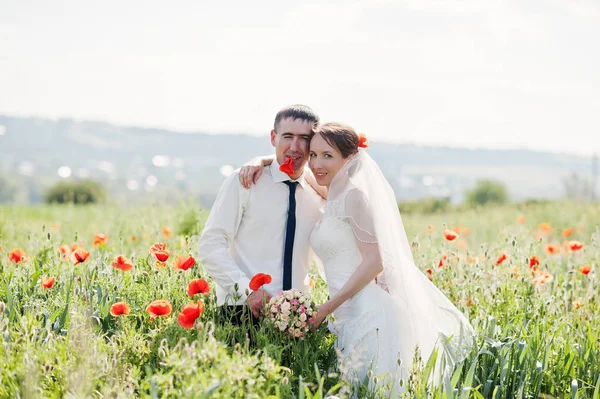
251,171
249,174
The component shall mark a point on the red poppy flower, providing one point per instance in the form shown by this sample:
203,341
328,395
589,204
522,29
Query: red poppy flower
16,255
521,219
552,249
160,307
287,167
65,250
363,142
545,227
568,232
450,235
575,245
159,250
585,269
259,280
167,233
80,255
198,286
542,278
534,261
184,262
119,308
159,246
442,260
122,263
100,239
188,315
162,256
501,259
47,282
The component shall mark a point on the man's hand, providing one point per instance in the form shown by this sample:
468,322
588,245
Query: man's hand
255,301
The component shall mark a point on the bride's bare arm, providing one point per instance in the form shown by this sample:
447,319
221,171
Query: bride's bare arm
366,272
251,171
361,221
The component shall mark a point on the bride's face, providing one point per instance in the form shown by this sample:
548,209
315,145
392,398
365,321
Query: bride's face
324,160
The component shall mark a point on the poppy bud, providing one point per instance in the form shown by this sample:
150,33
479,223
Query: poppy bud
2,307
370,373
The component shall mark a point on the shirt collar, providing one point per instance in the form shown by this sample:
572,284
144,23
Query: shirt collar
279,176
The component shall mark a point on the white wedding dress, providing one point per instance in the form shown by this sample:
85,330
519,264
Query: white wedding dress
381,326
368,325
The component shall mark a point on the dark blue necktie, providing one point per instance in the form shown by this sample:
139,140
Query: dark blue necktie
290,232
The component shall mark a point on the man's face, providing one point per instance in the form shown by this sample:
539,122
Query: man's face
291,139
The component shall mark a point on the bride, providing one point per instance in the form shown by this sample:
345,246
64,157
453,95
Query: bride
384,308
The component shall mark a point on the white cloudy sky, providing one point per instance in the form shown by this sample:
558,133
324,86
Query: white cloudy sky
477,73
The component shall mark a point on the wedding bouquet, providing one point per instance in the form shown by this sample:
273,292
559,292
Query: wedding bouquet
292,311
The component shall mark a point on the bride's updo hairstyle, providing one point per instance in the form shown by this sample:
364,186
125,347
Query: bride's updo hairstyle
340,136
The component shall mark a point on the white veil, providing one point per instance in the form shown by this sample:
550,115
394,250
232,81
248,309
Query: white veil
432,320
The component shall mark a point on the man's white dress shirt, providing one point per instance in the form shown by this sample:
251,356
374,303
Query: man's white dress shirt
245,233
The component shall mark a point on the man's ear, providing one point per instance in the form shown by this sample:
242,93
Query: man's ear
273,134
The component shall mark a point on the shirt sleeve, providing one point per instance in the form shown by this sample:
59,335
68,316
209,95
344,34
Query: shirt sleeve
219,232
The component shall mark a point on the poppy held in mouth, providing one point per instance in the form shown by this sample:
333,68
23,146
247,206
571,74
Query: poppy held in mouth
287,167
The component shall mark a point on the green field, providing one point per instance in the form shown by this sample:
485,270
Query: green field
538,332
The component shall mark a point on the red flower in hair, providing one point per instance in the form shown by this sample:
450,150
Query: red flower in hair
259,280
363,142
287,167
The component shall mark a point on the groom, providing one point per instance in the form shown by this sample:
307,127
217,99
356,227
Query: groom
266,228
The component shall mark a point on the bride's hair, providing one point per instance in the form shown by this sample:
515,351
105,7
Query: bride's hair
340,136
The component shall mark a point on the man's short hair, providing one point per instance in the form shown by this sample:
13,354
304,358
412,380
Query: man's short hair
297,111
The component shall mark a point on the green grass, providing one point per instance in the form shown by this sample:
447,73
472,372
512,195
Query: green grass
532,340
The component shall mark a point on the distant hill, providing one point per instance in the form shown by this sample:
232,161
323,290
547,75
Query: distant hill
139,163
